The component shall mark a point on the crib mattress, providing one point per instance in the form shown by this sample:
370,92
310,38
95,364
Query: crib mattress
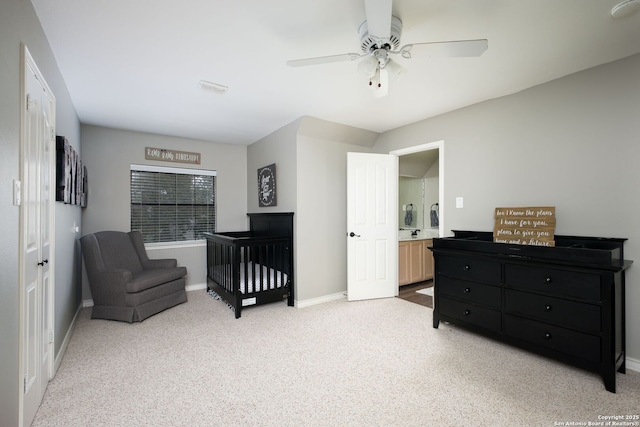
271,278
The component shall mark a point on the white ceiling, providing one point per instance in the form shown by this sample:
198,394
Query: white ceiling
136,64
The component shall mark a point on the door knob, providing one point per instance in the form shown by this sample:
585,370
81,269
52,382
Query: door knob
352,234
43,262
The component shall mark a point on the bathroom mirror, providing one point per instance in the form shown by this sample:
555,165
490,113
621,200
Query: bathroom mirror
411,200
418,185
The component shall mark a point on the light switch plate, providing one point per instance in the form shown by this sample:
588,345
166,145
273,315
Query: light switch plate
459,202
17,192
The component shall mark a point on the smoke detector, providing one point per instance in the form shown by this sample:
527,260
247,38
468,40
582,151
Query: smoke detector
626,8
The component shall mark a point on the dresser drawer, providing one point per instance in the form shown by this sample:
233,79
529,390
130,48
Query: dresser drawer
558,282
469,291
469,268
480,316
554,310
574,343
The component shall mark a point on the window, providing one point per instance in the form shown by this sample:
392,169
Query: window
172,204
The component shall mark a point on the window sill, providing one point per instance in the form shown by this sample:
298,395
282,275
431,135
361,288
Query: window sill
175,245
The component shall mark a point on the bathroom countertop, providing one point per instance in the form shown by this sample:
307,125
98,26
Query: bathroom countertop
405,235
406,239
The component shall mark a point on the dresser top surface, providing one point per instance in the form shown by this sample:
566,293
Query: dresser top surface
594,252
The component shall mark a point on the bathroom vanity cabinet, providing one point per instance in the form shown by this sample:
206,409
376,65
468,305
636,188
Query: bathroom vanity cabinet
415,261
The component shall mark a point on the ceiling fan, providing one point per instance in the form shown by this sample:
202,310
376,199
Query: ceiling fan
380,40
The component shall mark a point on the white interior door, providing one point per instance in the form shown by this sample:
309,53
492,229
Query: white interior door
372,226
46,193
37,142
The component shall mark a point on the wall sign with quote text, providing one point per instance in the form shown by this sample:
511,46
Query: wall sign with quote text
164,155
534,226
267,195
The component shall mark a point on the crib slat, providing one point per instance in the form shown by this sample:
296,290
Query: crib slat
245,265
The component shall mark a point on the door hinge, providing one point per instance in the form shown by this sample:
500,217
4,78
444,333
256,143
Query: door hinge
26,382
30,102
51,335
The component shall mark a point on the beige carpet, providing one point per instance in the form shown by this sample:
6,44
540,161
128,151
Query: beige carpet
369,363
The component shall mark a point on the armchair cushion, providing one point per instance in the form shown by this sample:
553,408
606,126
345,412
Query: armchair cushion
125,284
118,251
149,278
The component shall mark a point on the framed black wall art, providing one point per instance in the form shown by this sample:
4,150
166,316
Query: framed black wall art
267,195
71,175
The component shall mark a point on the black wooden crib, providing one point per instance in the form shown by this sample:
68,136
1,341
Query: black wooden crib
246,268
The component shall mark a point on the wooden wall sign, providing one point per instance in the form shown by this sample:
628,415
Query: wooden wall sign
525,226
165,155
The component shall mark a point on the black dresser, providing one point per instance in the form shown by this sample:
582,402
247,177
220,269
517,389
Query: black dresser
565,302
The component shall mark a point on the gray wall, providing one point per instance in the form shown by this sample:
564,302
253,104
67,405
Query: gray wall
279,148
19,24
570,143
321,251
108,153
310,157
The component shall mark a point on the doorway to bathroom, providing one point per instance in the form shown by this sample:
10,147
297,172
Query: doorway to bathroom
420,218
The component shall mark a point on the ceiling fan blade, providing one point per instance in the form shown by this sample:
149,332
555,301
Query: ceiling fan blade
379,18
445,49
324,59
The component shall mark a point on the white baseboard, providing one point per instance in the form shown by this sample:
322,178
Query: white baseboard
65,342
195,287
87,303
319,300
632,364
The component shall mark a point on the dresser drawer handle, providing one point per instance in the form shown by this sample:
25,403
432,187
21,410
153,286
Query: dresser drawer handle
547,308
467,290
467,312
547,336
467,267
548,280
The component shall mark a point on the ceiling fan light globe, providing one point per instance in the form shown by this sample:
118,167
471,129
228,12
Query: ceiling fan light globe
395,70
625,8
367,67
